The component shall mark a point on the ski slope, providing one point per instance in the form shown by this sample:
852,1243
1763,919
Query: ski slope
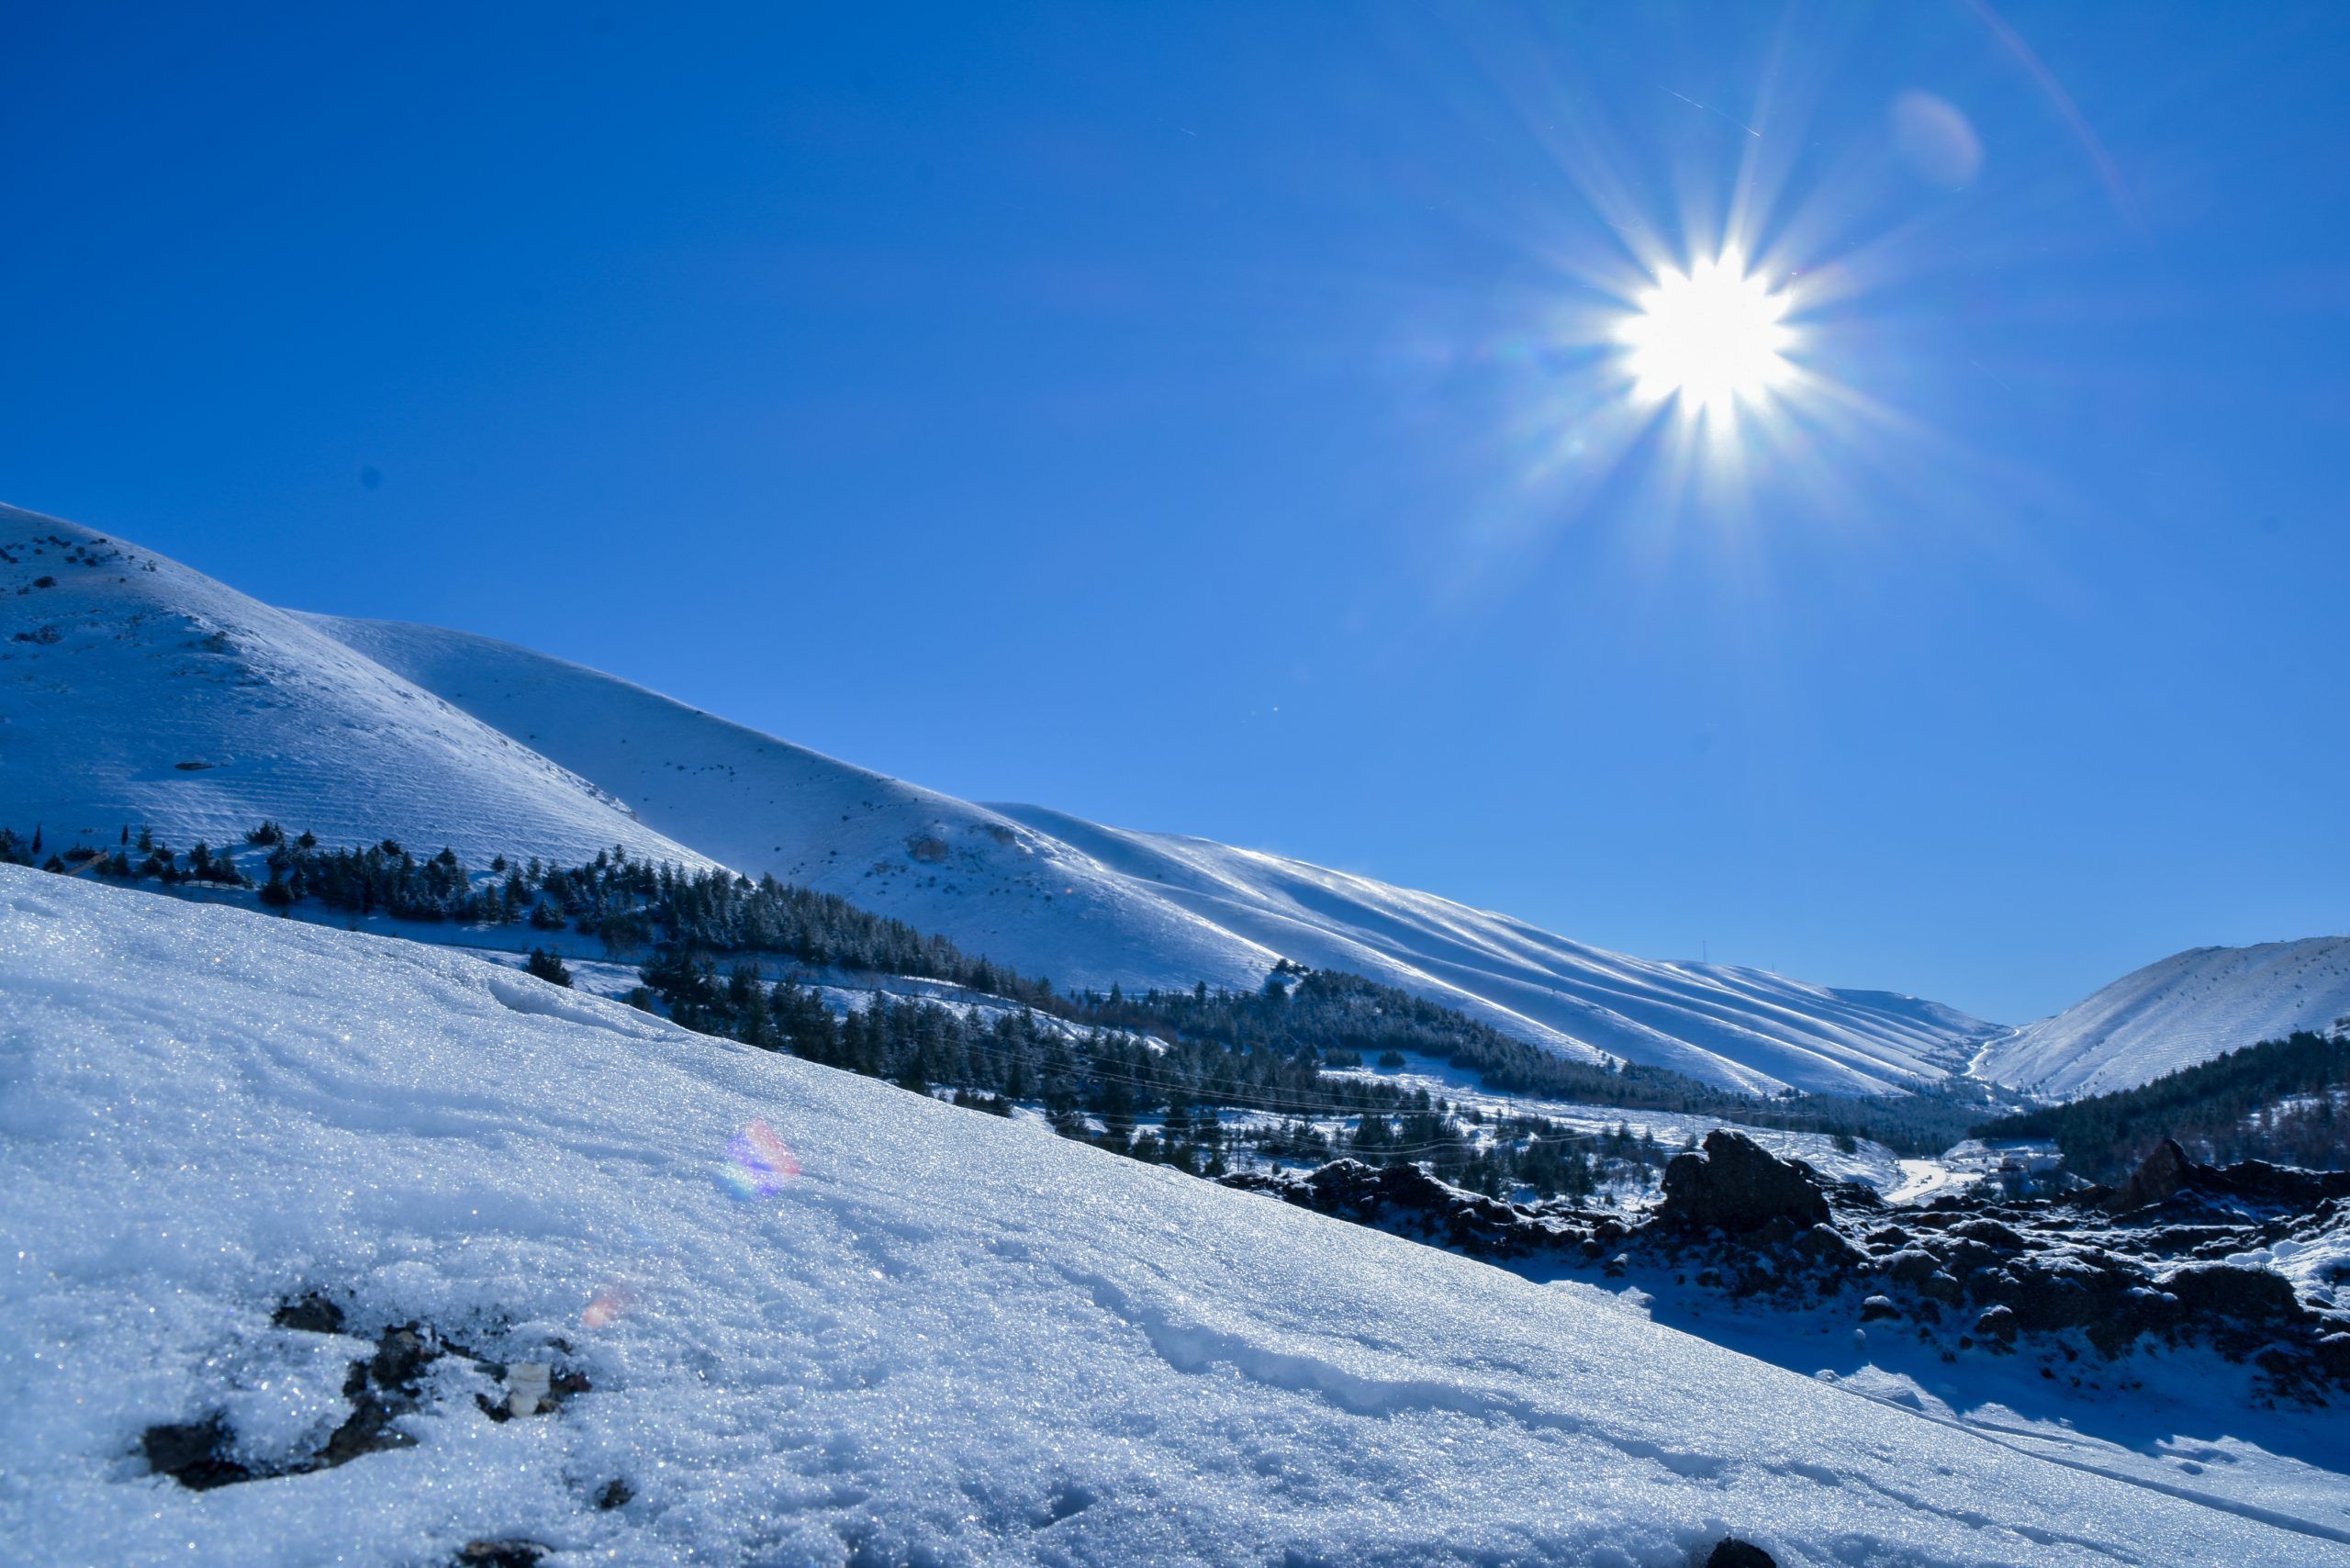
2183,1010
134,691
1086,905
931,1336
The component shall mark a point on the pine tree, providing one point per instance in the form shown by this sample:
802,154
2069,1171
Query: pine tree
549,967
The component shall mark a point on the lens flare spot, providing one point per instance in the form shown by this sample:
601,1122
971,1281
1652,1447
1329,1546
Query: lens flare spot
607,1305
761,1163
1712,337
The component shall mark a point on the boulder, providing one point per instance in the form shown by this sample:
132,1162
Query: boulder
2160,1174
1830,1248
1736,1185
2232,1291
1911,1265
1989,1233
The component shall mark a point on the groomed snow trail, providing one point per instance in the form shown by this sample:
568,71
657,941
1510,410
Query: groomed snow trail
948,1338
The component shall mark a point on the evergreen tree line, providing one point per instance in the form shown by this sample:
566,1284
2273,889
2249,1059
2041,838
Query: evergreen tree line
1319,1019
1106,1085
2284,1101
156,860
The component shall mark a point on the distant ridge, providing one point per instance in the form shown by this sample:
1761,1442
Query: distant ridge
134,691
2174,1013
1053,894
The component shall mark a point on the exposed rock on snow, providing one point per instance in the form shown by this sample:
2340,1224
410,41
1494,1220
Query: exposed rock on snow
1736,1185
2168,1172
1748,1226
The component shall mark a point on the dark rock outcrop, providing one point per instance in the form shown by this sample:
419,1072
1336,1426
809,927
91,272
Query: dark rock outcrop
2058,1275
2160,1174
194,1453
1408,1201
2169,1173
1738,1185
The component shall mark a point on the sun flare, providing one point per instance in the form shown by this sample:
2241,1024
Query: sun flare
1714,336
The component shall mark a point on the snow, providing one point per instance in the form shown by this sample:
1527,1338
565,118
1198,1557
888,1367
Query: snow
1052,894
2186,1009
135,691
950,1338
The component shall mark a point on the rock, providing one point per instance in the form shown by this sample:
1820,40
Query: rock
1830,1248
312,1314
2160,1174
1878,1306
615,1494
1732,1552
194,1453
2259,1181
2234,1291
1942,1287
500,1554
1738,1185
1989,1233
2169,1171
1998,1323
1911,1266
402,1357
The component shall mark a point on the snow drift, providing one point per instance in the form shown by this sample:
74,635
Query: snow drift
2183,1010
945,1338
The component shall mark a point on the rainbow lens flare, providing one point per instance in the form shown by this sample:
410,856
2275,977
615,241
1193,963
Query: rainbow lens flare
761,1164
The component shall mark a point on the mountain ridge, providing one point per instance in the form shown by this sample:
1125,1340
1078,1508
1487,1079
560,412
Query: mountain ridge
1052,894
2174,1013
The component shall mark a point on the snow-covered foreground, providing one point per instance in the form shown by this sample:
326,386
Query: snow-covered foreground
2174,1013
947,1338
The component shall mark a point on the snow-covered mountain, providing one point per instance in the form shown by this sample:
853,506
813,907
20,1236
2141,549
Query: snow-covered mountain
819,1319
1055,895
2186,1009
134,691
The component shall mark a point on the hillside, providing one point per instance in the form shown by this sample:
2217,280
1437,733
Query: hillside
2285,1102
2185,1009
1052,894
751,1309
135,691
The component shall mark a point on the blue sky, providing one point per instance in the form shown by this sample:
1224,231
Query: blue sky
1199,417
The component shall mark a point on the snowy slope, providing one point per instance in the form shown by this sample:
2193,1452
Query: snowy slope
947,1338
1086,905
134,691
2188,1008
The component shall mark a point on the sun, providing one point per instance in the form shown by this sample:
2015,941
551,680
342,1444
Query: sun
1714,337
